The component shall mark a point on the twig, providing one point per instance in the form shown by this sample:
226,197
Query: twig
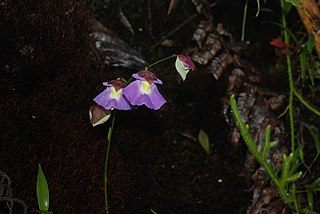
6,194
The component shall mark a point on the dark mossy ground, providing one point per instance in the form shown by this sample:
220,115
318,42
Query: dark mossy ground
48,80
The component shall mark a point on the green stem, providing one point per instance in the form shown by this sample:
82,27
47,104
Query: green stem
258,5
295,202
244,20
306,104
291,87
106,164
159,61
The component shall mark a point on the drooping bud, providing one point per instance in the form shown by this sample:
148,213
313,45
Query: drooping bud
183,65
98,115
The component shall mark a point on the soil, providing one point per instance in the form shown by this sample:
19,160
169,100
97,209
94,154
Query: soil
155,165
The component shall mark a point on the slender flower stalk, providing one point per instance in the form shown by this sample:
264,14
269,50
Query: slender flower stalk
105,177
159,61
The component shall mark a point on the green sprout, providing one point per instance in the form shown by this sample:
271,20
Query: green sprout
42,192
204,141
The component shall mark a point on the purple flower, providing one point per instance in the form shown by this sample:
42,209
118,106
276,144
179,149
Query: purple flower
112,96
183,65
144,91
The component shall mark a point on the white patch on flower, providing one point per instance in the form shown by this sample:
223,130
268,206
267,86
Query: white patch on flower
182,70
145,87
115,94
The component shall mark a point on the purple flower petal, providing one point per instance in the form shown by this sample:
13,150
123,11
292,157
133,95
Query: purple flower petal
132,92
156,99
136,95
109,101
147,76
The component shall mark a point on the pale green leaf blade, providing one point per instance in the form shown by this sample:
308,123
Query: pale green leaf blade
294,177
181,70
204,141
316,139
295,3
310,199
286,8
310,43
303,64
42,191
316,182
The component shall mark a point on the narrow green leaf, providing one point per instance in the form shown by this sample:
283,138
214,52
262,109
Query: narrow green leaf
258,5
266,145
204,141
273,143
309,211
284,167
310,200
291,34
295,3
295,160
316,140
286,7
300,152
315,186
311,75
310,43
294,177
316,182
268,10
42,191
303,63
